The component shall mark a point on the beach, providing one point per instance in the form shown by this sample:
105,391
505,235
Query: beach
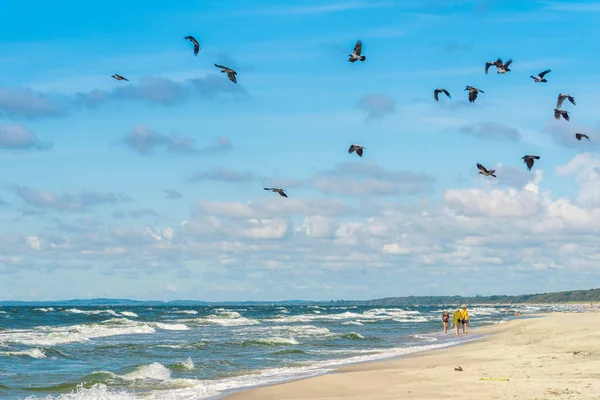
555,356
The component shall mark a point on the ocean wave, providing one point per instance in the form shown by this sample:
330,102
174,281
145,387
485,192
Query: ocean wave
48,336
43,309
33,353
272,341
129,314
223,318
191,312
184,365
170,327
92,312
95,392
209,388
301,331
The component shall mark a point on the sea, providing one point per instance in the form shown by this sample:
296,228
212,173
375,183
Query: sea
206,352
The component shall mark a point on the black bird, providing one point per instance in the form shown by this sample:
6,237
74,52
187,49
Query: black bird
578,136
484,171
558,113
540,76
473,91
119,77
277,190
356,53
562,97
195,42
230,73
501,68
528,160
436,93
358,148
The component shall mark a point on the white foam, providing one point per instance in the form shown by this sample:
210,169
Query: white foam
201,389
129,314
96,392
155,371
33,353
192,312
92,312
43,309
302,331
188,364
352,323
171,327
48,336
271,341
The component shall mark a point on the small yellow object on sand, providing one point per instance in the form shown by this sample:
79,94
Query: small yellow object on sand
494,379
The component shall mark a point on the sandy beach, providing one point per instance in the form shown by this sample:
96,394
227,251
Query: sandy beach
556,356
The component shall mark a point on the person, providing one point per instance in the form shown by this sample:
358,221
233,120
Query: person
445,318
464,318
456,319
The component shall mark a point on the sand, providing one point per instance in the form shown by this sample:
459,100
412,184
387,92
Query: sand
553,357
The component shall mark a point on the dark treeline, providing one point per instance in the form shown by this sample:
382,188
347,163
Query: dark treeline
544,298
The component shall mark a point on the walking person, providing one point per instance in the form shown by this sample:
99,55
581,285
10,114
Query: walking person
464,318
456,320
445,319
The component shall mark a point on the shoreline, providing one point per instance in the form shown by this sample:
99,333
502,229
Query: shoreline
474,335
511,352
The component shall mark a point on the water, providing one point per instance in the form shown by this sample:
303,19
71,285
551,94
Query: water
201,352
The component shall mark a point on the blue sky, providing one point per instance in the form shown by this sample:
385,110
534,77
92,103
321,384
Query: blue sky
152,188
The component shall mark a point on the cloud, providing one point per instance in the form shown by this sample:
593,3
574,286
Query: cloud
143,212
586,169
27,103
491,130
171,194
480,234
563,133
17,137
220,174
377,106
145,141
47,200
363,178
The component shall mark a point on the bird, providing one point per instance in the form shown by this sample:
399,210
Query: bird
485,171
119,77
195,42
540,76
358,148
578,136
558,113
529,161
356,53
230,73
501,68
562,97
459,368
436,92
277,190
473,91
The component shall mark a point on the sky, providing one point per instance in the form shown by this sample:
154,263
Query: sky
152,188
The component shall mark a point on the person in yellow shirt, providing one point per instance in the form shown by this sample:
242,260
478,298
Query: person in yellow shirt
456,318
464,317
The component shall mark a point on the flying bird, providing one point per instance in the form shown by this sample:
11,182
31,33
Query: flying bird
562,97
558,113
485,171
528,160
473,91
356,53
230,73
436,93
195,42
540,76
119,77
276,190
358,148
578,136
500,67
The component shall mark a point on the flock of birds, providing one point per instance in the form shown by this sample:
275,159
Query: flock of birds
501,68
